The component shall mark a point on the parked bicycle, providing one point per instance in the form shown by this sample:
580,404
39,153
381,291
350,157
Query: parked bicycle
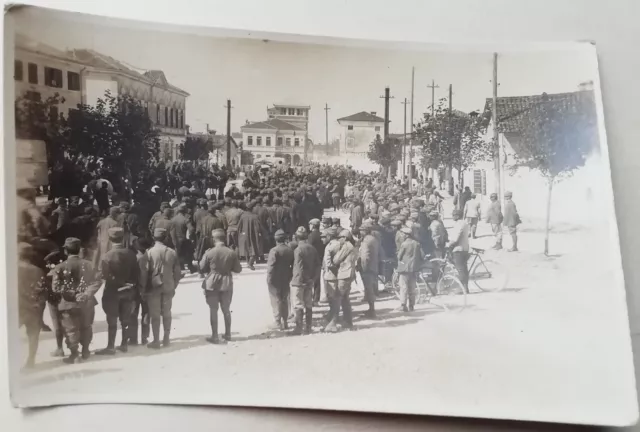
486,274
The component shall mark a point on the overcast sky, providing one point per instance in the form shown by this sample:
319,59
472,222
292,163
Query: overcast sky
255,74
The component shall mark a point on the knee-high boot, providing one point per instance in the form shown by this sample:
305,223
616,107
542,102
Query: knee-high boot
308,315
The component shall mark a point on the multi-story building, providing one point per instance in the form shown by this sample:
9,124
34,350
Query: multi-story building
41,71
284,134
164,102
359,131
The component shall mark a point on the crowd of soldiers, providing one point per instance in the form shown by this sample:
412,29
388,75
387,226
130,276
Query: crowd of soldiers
72,252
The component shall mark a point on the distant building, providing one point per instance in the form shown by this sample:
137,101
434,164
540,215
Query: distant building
219,153
359,131
164,102
277,137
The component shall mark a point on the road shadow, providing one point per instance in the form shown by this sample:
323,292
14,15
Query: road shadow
64,376
177,344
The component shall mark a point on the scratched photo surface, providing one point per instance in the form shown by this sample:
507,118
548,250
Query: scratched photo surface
227,218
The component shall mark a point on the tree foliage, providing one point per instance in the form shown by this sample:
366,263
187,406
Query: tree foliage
385,153
558,135
451,138
196,147
114,138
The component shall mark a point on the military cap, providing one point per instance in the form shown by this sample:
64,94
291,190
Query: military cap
201,201
345,233
434,214
494,195
384,221
73,242
385,214
406,230
114,211
116,234
335,220
164,204
366,226
374,217
329,232
301,231
159,233
508,194
326,219
181,207
280,234
396,223
218,233
394,207
314,222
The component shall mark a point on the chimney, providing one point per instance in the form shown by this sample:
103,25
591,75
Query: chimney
373,113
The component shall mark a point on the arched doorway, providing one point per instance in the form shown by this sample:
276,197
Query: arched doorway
287,159
296,159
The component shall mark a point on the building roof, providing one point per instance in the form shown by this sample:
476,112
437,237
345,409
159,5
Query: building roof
236,135
220,141
363,116
102,61
25,43
513,110
275,124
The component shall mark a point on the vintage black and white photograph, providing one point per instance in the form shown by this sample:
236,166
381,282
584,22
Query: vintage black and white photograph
225,218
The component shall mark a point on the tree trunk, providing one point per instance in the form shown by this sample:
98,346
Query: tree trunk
546,230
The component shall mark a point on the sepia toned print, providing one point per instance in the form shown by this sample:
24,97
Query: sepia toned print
237,221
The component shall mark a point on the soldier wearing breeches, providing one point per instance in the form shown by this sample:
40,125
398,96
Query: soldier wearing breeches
279,268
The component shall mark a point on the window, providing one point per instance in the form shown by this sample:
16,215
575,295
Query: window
268,155
166,116
33,96
268,141
299,112
171,110
292,111
296,142
17,70
33,73
377,128
157,114
250,140
181,119
480,182
288,142
350,127
53,77
280,141
258,141
53,112
258,156
73,81
146,108
283,111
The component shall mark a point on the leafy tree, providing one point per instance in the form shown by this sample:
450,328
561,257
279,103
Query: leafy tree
385,153
557,137
452,139
196,147
114,138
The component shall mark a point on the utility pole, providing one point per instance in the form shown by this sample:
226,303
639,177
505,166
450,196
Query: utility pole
494,117
229,133
386,121
404,137
326,126
413,70
433,88
450,98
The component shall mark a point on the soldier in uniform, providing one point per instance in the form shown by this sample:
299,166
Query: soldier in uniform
495,218
165,222
74,280
164,276
120,271
316,242
31,299
53,300
130,223
157,215
279,273
250,232
233,219
104,240
178,233
219,263
306,267
409,263
141,244
511,219
368,259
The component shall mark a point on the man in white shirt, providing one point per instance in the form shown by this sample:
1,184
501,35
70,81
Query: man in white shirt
459,244
472,214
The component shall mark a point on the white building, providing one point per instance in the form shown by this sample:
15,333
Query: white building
572,199
284,134
358,132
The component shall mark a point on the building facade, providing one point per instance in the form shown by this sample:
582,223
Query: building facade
277,137
164,102
358,132
41,71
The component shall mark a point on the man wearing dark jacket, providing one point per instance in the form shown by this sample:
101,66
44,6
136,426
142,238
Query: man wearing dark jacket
306,268
178,233
315,240
120,271
279,273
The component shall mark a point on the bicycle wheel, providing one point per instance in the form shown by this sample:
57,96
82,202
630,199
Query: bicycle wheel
451,294
489,276
395,284
422,289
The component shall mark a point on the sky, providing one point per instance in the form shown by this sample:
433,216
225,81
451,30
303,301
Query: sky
256,74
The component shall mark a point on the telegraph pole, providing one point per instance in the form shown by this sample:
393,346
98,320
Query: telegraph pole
326,126
413,70
433,88
386,112
494,117
229,133
404,137
450,98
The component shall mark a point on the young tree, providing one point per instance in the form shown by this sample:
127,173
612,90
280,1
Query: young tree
385,153
195,148
557,137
